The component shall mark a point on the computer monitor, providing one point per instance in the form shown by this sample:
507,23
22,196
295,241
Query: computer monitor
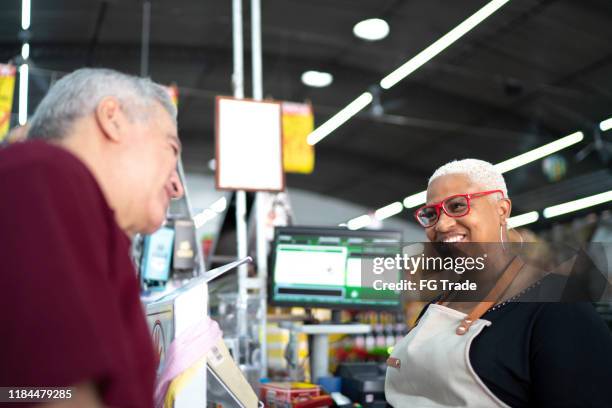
321,267
157,254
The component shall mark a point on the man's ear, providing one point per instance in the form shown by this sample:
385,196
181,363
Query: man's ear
504,208
110,118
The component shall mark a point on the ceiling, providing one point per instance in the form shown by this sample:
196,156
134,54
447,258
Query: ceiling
534,71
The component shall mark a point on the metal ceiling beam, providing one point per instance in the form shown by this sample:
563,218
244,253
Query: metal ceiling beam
578,186
199,55
76,53
95,35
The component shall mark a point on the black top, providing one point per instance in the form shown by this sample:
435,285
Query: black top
538,354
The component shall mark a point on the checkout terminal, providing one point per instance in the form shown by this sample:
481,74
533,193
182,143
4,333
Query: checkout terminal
322,267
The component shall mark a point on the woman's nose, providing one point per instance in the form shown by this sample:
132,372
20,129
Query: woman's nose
444,222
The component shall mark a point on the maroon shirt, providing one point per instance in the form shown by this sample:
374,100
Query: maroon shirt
69,304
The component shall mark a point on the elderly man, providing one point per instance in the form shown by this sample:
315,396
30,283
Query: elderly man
101,167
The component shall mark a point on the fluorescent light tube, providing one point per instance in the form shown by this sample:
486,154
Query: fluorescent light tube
510,164
523,219
203,217
539,152
606,125
23,93
359,222
388,211
25,14
219,206
25,51
413,64
441,44
415,200
576,205
339,118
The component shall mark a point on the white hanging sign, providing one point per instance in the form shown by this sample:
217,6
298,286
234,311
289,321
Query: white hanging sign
249,153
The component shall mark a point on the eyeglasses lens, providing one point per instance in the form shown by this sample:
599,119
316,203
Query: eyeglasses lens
427,216
456,206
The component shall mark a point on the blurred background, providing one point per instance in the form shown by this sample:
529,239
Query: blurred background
531,73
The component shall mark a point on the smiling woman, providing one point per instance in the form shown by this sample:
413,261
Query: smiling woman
473,197
513,345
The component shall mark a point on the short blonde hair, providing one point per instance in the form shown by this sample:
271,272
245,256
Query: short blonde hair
478,171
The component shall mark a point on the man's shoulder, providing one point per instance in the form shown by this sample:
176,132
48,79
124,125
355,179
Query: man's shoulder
38,164
45,179
38,155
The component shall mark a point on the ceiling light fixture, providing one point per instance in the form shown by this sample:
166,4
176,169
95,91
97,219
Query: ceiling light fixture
24,73
210,213
388,211
203,217
339,118
317,79
413,64
539,152
25,51
25,14
441,44
606,124
372,29
359,222
415,199
576,205
219,206
523,219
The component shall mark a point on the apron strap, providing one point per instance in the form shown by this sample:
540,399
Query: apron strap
500,287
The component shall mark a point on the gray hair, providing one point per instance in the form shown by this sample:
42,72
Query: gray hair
78,94
478,171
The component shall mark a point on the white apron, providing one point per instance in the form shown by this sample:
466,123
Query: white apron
434,368
430,367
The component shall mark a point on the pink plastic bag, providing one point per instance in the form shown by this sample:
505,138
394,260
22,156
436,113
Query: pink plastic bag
184,351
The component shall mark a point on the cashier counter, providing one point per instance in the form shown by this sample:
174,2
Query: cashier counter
361,382
220,380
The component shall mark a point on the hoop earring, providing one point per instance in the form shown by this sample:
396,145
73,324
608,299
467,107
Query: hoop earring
501,237
520,236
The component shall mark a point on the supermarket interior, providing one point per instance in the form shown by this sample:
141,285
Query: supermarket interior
289,204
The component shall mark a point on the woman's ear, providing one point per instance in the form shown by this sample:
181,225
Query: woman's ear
109,117
504,207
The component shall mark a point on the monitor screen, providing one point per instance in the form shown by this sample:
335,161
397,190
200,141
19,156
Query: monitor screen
321,267
157,254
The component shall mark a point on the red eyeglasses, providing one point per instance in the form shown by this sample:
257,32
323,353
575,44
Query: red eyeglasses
455,206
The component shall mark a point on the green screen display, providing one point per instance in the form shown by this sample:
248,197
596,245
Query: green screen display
323,267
